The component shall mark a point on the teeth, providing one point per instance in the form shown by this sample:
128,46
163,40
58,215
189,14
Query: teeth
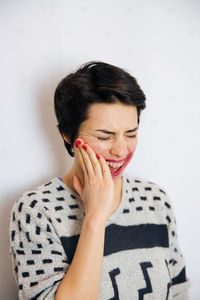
115,165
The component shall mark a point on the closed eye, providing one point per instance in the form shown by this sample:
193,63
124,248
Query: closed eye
103,139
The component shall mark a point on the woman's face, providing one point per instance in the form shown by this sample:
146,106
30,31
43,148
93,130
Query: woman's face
121,121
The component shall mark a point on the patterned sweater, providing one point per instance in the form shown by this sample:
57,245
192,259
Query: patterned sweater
142,258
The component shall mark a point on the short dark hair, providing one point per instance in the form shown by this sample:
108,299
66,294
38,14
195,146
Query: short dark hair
93,82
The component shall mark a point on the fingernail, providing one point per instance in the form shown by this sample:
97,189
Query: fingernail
75,144
78,141
85,147
97,156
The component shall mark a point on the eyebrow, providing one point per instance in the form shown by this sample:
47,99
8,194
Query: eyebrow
110,132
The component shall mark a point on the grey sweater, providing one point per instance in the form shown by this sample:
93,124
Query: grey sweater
142,257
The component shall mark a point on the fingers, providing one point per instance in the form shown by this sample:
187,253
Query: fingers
90,160
105,168
82,162
93,165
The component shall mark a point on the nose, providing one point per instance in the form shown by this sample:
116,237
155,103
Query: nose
119,148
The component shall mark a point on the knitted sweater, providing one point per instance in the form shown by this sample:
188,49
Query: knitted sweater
142,258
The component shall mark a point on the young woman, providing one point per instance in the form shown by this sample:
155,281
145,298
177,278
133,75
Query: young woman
96,233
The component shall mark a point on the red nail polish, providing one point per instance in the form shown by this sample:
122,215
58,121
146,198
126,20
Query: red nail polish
75,144
85,147
78,141
98,156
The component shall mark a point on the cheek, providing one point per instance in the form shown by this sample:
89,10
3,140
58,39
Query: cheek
132,145
99,148
103,147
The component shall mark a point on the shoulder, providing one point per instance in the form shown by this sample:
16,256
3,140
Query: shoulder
41,198
152,192
145,184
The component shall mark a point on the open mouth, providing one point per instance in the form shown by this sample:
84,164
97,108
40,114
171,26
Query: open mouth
113,170
116,168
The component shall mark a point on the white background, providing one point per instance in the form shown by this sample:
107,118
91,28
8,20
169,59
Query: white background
158,42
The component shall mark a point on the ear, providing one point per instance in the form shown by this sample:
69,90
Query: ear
66,138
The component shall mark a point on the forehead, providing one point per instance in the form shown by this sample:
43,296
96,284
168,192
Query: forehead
107,113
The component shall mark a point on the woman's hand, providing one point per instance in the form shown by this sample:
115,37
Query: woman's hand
98,191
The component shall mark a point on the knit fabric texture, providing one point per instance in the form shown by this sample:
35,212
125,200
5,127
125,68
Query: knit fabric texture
142,257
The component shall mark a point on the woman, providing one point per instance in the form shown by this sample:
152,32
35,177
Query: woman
97,233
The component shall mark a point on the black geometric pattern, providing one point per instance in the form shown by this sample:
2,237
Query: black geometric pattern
113,275
148,288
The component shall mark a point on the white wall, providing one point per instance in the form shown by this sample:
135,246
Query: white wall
158,42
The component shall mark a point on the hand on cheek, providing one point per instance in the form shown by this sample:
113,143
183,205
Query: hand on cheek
98,183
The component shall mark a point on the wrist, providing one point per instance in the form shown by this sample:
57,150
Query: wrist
95,221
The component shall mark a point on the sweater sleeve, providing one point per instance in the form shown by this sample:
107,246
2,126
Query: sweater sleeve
176,265
38,259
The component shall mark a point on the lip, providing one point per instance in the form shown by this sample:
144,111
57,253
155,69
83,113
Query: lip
117,161
122,167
